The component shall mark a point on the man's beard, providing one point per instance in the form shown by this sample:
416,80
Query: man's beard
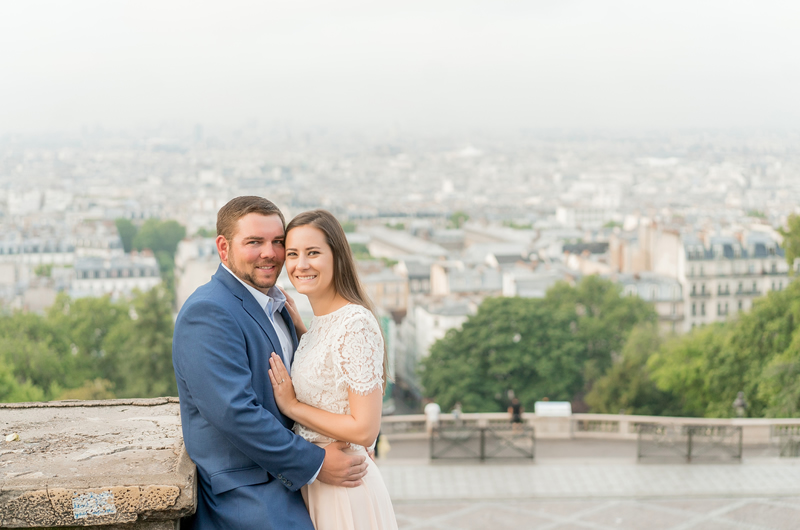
250,277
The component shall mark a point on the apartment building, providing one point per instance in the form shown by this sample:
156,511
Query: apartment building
723,275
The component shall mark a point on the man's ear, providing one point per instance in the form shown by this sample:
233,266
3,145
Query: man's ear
222,248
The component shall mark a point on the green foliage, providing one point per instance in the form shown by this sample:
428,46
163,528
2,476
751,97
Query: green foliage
791,240
43,271
517,226
515,344
756,213
758,354
159,236
96,389
605,318
145,337
360,251
396,226
627,388
14,391
206,232
457,219
554,347
127,231
162,238
89,348
612,224
349,226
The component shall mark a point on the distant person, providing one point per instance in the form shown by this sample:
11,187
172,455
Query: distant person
515,411
432,411
336,387
456,412
250,465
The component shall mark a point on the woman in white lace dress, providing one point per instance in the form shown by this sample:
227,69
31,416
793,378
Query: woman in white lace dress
338,374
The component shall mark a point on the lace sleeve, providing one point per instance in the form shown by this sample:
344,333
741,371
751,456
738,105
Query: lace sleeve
358,354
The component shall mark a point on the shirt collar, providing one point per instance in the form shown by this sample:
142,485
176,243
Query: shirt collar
274,296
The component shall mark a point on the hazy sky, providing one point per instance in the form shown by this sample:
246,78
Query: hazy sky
428,65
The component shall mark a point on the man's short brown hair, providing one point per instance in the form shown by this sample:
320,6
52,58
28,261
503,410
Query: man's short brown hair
235,209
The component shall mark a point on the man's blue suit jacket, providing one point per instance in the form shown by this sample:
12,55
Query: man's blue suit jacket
250,465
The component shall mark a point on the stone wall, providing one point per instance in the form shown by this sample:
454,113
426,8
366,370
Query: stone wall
116,463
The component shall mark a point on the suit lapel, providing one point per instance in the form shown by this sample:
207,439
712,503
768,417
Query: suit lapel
250,305
290,326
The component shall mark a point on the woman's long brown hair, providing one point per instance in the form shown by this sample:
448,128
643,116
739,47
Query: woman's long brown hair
345,275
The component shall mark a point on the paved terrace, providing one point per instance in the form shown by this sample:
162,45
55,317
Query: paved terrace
586,475
121,464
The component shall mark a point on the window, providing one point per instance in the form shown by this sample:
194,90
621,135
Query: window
740,305
719,309
694,310
703,308
694,289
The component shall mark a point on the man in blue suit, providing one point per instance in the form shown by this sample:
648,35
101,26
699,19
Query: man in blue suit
250,465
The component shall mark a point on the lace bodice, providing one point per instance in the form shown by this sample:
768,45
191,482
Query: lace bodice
341,351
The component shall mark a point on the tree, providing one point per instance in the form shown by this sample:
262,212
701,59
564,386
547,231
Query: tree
457,219
605,319
159,235
554,347
349,226
12,391
360,251
143,347
758,354
162,238
791,240
85,323
627,386
514,344
127,231
206,232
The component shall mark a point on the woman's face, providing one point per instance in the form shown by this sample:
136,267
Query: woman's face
309,261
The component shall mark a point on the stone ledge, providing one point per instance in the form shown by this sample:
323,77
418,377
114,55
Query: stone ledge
116,463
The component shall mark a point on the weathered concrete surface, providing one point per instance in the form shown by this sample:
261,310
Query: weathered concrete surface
88,463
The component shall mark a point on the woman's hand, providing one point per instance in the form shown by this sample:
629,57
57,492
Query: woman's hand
291,307
282,387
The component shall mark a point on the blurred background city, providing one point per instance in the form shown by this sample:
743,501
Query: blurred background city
593,203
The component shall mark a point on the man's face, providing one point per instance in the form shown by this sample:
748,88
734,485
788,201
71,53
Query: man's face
256,253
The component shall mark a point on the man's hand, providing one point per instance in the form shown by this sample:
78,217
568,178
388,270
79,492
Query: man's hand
291,307
340,468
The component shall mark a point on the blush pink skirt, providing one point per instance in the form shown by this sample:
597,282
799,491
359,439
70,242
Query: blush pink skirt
366,507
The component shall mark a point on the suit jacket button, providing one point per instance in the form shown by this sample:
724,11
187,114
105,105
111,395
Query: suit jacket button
289,483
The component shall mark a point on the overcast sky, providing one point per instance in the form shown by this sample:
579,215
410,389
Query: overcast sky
416,66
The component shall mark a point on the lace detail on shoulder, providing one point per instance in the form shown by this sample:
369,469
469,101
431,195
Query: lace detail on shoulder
341,352
358,353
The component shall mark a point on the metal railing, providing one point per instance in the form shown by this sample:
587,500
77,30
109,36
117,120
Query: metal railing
469,442
689,441
784,433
